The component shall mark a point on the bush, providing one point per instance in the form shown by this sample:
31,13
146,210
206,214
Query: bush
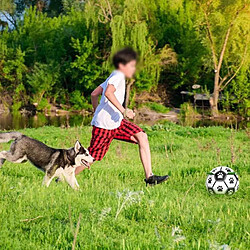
41,81
188,110
43,104
157,107
78,101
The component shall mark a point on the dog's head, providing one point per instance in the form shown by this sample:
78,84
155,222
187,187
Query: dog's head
82,156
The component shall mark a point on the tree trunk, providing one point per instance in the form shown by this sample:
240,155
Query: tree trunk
214,99
128,87
217,66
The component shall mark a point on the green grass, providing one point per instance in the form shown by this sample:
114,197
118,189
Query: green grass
157,107
179,214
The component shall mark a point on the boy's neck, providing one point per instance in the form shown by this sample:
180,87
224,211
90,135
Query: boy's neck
120,71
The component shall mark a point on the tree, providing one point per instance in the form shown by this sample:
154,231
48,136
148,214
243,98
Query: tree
225,27
7,10
128,25
7,5
174,23
41,81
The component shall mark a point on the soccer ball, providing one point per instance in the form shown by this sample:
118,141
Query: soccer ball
222,180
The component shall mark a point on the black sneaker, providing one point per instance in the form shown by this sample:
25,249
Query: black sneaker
155,179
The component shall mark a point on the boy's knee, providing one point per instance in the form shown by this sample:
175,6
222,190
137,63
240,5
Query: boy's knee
141,137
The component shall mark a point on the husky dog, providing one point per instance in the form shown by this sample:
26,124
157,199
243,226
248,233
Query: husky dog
59,163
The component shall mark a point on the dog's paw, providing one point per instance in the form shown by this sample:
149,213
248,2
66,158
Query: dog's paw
76,188
1,162
59,179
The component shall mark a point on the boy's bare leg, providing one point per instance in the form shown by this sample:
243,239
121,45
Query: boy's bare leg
144,149
145,155
80,169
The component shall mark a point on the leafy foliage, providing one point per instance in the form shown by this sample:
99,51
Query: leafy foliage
87,71
157,107
41,81
78,101
71,43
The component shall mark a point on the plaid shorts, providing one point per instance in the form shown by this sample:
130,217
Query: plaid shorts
101,138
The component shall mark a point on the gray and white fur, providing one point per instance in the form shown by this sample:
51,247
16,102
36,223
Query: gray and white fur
59,163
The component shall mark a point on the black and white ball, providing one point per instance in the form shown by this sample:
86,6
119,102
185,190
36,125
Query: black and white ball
222,180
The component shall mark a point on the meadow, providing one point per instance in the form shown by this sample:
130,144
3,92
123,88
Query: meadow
115,210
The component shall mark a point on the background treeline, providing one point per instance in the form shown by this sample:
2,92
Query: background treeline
57,52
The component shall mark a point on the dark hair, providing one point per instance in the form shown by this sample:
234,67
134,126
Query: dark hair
124,56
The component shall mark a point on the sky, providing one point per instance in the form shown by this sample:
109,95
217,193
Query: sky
3,18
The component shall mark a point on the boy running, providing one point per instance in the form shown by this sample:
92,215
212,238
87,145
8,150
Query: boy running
109,121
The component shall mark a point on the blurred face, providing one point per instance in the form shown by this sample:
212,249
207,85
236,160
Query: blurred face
128,69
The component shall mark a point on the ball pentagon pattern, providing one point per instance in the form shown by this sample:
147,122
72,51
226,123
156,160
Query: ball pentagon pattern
222,180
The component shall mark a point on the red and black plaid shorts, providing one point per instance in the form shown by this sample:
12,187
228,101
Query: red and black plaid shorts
101,138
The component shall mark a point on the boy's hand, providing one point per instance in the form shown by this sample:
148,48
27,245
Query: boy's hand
129,113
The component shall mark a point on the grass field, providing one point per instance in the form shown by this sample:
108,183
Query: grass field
114,209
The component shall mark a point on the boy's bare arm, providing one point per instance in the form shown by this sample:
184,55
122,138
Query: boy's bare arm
109,93
94,97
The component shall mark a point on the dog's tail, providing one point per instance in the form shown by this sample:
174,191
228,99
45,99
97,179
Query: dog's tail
6,137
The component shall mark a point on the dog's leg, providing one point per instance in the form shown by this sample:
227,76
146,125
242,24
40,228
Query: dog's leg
69,175
12,157
2,157
59,175
2,160
51,170
47,180
76,181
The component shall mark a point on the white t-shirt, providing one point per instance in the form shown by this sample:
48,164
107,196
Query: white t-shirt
107,116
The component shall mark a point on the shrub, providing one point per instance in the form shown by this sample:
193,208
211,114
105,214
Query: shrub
43,104
41,81
157,107
187,110
78,101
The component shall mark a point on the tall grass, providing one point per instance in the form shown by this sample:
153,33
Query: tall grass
114,209
157,107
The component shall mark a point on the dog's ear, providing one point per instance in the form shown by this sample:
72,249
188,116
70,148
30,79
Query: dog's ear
77,146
